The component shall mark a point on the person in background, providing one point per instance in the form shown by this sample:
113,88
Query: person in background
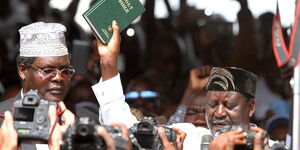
81,95
144,94
277,127
198,79
195,112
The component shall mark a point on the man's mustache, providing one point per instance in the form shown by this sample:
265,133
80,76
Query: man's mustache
219,121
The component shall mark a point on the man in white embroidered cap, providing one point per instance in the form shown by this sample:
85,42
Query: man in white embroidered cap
44,65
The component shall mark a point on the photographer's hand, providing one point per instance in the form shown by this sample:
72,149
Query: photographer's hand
8,134
260,139
125,134
57,129
109,53
109,141
227,140
180,136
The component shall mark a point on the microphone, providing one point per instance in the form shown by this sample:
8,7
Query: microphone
205,141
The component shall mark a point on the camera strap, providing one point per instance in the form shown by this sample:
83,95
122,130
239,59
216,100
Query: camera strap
286,58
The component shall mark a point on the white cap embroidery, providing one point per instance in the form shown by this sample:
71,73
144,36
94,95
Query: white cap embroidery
43,39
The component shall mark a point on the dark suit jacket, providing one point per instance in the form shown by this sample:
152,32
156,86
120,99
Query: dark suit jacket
77,111
7,105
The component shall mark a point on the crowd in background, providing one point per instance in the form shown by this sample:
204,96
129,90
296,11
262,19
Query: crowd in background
157,60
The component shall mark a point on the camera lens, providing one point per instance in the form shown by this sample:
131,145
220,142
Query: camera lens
83,130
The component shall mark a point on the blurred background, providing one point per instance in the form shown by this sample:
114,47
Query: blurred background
227,8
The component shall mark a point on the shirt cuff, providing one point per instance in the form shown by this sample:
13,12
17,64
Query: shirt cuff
109,90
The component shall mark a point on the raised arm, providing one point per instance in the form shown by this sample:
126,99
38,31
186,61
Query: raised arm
109,91
109,54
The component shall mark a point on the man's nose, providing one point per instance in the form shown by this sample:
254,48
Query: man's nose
220,112
57,76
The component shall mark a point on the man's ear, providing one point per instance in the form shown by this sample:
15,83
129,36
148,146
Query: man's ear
22,71
252,105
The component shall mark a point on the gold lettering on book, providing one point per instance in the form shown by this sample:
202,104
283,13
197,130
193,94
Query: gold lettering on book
126,5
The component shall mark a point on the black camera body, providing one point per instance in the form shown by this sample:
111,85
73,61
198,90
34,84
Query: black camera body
249,138
30,115
146,133
82,135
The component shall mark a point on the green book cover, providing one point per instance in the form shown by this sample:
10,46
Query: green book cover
101,14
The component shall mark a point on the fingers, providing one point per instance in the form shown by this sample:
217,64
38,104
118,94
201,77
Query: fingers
110,143
9,137
125,134
52,115
166,144
67,115
238,131
256,129
62,105
236,141
163,137
116,31
54,128
203,71
199,77
1,138
9,122
123,128
180,135
235,137
260,139
258,144
114,41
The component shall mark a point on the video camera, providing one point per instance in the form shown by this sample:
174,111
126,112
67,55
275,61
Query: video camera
82,135
30,115
146,133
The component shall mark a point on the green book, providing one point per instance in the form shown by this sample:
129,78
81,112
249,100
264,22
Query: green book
101,14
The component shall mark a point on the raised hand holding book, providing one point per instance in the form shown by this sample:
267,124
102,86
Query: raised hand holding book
101,14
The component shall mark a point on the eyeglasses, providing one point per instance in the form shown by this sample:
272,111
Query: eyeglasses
141,94
47,72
